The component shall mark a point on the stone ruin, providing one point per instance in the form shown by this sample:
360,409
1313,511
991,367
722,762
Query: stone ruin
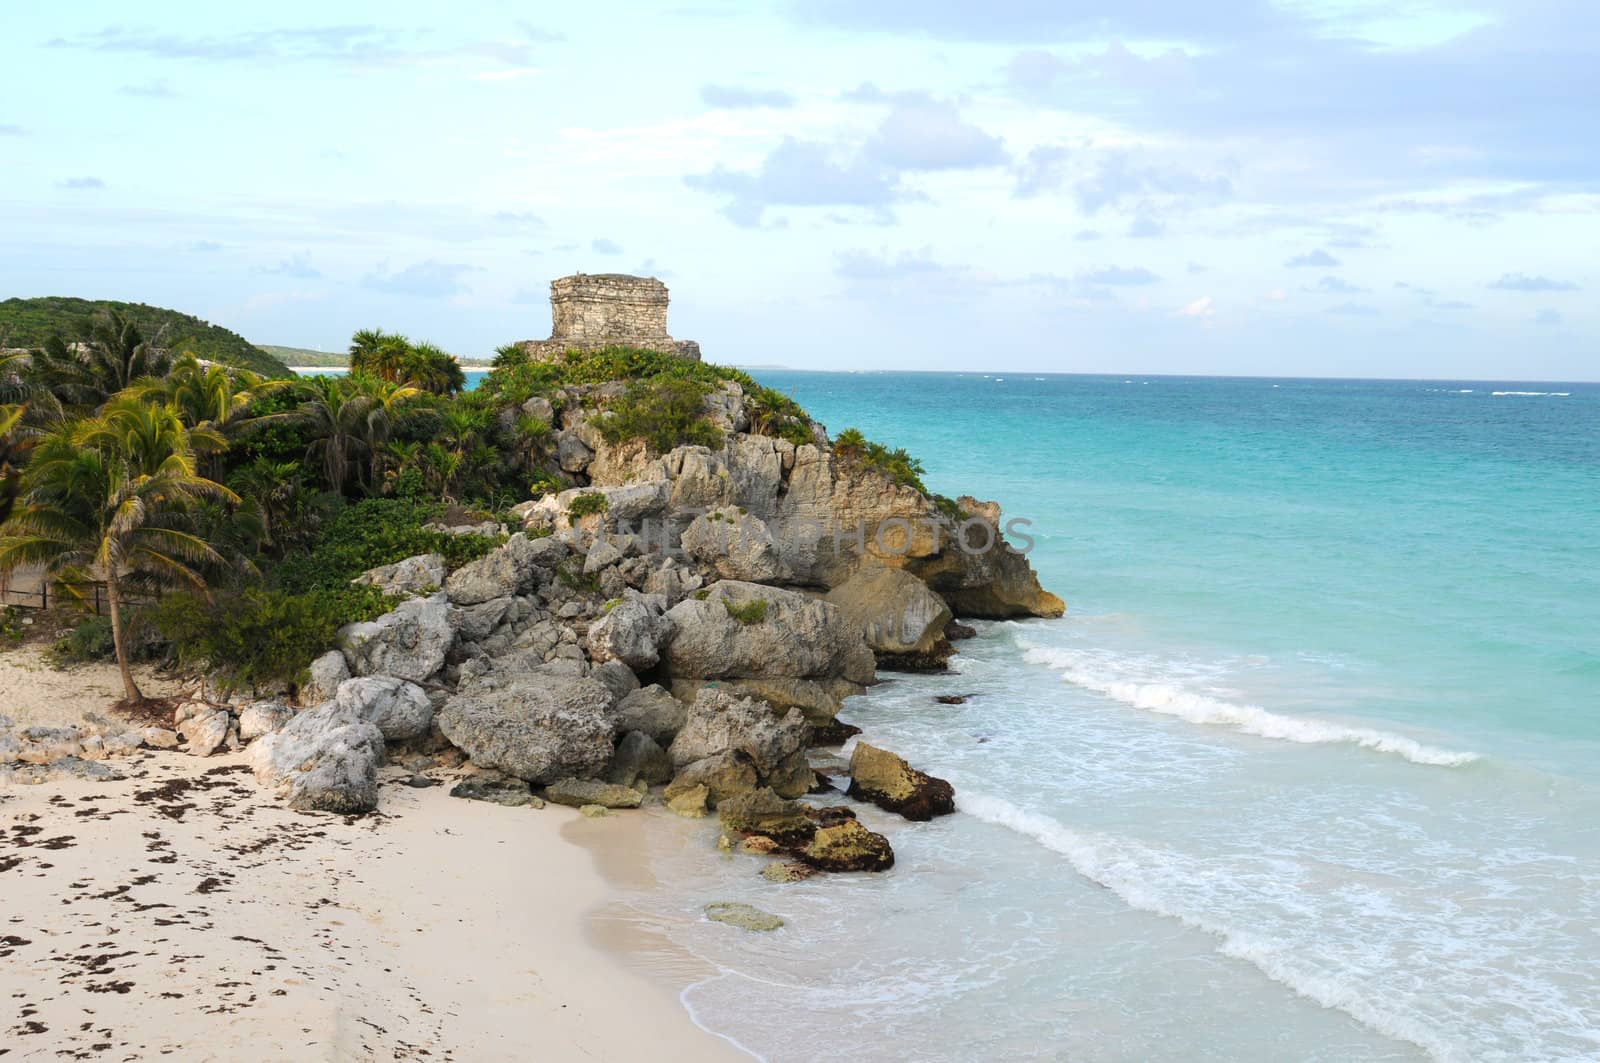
589,311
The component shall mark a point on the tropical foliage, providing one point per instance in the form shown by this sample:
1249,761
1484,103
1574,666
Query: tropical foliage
29,323
223,514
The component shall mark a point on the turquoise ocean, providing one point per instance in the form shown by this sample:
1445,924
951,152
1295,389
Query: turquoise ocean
1309,771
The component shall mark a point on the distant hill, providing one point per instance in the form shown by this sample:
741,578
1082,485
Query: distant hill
336,360
306,357
29,322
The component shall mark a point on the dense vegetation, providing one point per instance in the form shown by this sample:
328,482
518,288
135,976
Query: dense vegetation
226,514
29,323
305,356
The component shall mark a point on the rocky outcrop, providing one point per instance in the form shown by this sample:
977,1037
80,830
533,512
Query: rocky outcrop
325,759
738,630
631,631
887,781
733,744
536,726
520,565
902,620
422,574
639,759
262,717
326,673
409,643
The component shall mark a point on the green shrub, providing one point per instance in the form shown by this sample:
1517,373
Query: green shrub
751,612
897,464
377,531
577,579
260,637
89,641
11,626
665,412
949,507
587,503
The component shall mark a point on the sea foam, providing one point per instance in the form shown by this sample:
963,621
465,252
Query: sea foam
1170,699
1140,876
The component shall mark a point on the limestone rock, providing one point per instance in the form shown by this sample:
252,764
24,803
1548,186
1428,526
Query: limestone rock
690,802
720,726
743,916
653,711
206,732
409,643
594,811
518,566
787,871
765,813
639,759
631,631
399,709
262,717
422,574
325,759
160,737
537,727
848,846
618,678
572,454
879,776
748,630
735,545
579,792
902,620
327,672
494,788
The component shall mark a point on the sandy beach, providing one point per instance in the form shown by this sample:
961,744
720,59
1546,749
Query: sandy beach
181,912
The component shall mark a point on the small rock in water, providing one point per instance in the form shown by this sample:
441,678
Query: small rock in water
879,776
594,811
952,699
743,916
579,793
788,871
496,789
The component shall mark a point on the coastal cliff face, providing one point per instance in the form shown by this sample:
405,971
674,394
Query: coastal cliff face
693,617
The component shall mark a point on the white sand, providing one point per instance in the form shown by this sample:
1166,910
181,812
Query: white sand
32,692
212,923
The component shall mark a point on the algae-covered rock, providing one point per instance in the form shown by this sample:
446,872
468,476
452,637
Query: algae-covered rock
787,871
764,813
690,802
890,783
576,793
848,846
594,811
743,916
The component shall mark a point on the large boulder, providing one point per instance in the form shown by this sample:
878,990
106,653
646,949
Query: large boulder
575,793
902,620
848,846
639,759
536,726
734,544
262,717
737,630
631,631
325,759
518,566
653,711
879,776
327,672
206,731
409,643
422,574
400,710
727,739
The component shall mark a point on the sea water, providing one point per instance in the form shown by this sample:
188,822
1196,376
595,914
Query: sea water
1309,771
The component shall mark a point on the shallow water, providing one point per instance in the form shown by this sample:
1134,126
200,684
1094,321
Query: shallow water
1307,772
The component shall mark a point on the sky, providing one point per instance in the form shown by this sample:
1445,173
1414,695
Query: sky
1271,187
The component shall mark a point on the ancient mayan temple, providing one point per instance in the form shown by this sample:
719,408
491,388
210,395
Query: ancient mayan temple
589,311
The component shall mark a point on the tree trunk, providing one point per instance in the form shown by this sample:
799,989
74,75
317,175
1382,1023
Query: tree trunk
129,688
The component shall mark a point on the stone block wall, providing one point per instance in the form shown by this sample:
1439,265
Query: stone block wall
589,311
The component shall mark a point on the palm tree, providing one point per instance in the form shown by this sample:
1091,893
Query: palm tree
112,355
380,354
12,448
213,400
336,413
431,369
106,499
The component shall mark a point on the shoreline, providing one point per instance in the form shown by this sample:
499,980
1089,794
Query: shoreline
436,928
